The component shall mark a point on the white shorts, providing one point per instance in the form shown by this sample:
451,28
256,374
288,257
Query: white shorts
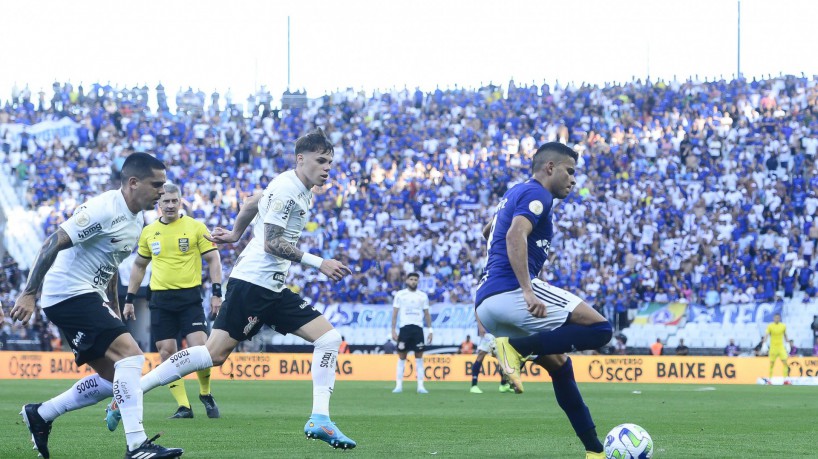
506,314
485,343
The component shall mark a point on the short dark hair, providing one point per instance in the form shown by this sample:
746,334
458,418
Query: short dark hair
413,275
550,151
314,141
140,165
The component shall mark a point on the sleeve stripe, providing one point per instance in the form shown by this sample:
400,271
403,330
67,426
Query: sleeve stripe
208,251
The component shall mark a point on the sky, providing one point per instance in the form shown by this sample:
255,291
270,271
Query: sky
376,44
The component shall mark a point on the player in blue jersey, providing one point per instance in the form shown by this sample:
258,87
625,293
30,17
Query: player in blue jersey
530,317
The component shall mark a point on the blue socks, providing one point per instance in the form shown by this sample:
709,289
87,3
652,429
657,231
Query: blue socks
475,371
568,338
570,400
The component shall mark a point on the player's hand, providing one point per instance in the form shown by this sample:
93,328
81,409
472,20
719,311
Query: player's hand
334,269
222,236
215,306
429,338
535,306
128,312
394,336
23,308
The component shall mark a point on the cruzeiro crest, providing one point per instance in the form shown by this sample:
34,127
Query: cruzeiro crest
184,244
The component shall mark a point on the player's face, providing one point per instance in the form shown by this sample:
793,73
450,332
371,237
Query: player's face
169,205
561,179
149,190
776,318
315,167
412,282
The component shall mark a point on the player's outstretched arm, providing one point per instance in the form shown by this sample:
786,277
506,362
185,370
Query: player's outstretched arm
246,215
24,306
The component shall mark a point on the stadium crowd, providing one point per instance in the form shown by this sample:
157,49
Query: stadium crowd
693,191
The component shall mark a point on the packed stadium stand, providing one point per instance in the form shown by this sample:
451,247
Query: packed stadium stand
694,199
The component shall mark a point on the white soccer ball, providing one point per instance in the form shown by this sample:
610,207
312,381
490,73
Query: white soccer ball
628,441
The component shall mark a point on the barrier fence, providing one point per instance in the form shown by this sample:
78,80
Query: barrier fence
440,367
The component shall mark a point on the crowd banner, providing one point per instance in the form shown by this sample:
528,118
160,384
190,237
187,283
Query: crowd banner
64,128
441,367
660,313
750,313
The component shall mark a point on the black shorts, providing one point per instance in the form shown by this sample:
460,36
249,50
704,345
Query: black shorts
176,311
89,326
410,338
247,307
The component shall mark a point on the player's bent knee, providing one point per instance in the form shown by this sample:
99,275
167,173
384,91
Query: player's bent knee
330,340
604,331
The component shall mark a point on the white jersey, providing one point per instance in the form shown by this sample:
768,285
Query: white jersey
104,232
285,203
411,305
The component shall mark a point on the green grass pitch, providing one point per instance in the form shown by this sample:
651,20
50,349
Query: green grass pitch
266,419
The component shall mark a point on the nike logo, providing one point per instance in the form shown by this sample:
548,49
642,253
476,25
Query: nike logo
115,240
507,366
329,432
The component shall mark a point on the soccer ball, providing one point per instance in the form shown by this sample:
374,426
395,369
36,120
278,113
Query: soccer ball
628,441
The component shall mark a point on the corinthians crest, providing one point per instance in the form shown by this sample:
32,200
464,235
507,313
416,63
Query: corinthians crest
184,244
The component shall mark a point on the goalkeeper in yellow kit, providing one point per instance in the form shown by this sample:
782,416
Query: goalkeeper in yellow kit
777,334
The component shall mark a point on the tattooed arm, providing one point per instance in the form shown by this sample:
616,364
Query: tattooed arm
276,244
24,306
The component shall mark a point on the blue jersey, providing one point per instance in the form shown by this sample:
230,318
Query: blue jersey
534,202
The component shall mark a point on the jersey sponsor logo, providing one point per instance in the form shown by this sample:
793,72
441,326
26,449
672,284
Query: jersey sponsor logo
184,244
536,207
82,219
251,322
279,277
545,245
89,231
288,208
156,247
119,219
103,274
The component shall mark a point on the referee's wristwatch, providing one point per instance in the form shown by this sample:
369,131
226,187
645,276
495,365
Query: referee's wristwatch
216,289
130,297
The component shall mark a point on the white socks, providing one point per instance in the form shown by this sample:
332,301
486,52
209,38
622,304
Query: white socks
399,373
420,371
128,396
178,366
323,370
85,392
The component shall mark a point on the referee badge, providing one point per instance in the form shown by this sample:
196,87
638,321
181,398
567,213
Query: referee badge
156,248
184,244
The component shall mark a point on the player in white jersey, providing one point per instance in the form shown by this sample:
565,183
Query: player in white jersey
256,294
413,307
77,267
